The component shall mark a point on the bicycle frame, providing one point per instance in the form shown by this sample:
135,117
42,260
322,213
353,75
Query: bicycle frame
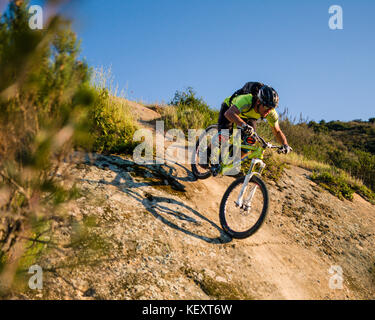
255,152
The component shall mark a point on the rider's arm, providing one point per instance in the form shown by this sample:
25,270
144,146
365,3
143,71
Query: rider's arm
273,121
279,134
232,114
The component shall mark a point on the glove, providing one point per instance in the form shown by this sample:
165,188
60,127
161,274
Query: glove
249,130
286,149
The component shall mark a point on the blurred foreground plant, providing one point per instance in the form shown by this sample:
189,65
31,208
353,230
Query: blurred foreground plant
44,100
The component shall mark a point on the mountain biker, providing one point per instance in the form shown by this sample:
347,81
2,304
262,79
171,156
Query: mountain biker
245,110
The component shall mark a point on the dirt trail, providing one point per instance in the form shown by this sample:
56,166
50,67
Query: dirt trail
279,268
165,239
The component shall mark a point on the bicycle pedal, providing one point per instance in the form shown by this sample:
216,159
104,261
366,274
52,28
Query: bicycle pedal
215,173
215,169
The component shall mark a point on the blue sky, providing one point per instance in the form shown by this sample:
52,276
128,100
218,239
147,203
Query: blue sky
155,47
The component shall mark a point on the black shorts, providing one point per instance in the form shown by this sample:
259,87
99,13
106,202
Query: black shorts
224,123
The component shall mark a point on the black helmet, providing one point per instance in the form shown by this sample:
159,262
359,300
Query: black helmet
268,96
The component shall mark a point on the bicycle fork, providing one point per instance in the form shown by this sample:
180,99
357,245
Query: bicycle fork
250,174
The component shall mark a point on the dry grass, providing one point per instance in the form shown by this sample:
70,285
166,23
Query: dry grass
299,160
114,122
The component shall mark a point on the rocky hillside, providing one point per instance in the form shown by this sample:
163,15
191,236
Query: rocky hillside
153,232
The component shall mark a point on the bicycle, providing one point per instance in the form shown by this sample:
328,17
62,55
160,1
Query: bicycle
243,214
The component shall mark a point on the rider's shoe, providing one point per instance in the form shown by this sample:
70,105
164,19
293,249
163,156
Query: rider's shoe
215,169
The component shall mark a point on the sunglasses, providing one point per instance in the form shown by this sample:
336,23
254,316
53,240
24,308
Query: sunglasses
267,107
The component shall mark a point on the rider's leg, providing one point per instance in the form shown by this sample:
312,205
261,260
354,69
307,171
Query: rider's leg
222,136
223,122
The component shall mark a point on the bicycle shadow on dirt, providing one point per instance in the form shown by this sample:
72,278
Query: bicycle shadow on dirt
170,168
180,217
175,214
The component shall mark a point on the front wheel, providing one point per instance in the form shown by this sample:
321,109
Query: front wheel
242,221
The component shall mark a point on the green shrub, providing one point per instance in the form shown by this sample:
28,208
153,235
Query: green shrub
365,193
334,184
320,142
188,112
113,124
273,170
274,167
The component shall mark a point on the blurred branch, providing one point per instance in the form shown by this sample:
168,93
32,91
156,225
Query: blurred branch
29,58
14,183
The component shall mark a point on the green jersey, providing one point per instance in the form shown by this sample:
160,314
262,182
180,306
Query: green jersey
244,103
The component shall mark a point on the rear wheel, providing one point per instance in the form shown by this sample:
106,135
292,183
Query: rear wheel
242,222
200,164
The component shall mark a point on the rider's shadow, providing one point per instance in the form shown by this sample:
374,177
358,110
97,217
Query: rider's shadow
169,169
173,213
180,218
